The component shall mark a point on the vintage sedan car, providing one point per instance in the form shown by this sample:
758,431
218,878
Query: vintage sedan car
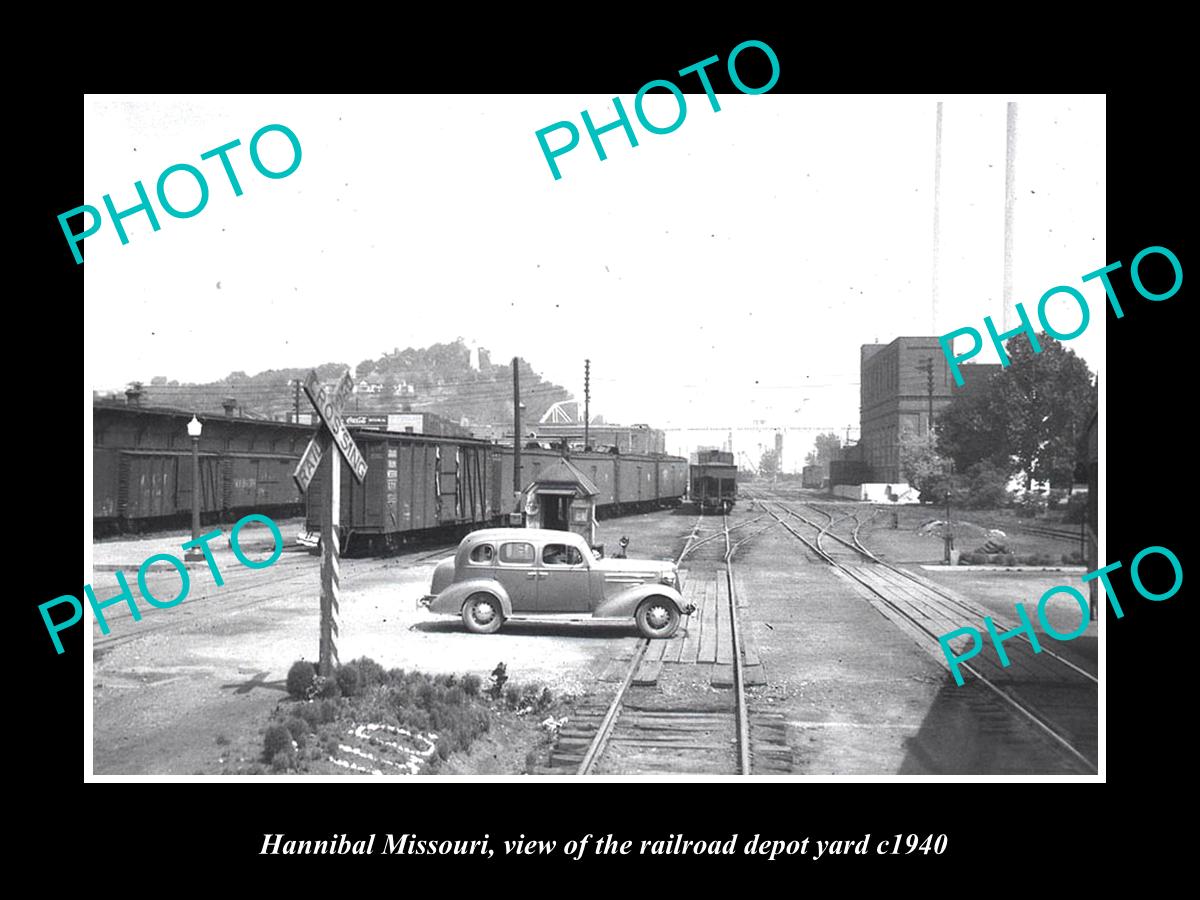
502,572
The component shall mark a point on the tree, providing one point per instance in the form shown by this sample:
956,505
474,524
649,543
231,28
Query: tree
364,368
768,464
922,466
1027,418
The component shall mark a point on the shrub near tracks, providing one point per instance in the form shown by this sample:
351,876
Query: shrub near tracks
385,722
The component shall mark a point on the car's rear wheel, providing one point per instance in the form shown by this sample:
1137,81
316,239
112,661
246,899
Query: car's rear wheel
482,614
657,617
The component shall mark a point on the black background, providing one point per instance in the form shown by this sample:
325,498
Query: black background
218,829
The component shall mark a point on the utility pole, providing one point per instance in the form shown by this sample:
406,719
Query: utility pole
587,396
516,429
296,400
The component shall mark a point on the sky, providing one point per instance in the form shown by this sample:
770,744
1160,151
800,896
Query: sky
722,276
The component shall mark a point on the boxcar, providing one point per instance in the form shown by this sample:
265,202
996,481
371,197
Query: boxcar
417,487
142,468
812,477
626,483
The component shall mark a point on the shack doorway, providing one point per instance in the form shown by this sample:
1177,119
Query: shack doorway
555,511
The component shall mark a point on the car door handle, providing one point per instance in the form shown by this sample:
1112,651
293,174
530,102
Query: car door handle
532,574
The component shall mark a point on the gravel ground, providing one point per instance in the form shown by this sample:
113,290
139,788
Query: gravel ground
859,695
164,688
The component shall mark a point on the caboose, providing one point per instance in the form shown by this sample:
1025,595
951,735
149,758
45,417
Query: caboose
712,481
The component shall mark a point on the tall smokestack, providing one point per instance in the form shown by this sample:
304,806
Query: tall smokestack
1010,199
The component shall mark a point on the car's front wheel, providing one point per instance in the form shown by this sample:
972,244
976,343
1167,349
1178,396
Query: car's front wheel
482,614
657,617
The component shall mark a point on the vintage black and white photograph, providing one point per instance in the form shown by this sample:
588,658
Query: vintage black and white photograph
527,436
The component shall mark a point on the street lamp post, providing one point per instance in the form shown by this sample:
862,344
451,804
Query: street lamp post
194,427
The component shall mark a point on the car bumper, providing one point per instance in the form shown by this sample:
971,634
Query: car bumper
427,600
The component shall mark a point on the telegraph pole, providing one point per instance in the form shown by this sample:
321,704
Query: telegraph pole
516,428
587,396
296,400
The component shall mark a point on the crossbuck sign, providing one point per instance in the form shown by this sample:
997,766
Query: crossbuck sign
331,431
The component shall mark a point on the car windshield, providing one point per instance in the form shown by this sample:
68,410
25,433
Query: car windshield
561,555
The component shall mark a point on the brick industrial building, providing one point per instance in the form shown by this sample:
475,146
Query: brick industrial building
895,396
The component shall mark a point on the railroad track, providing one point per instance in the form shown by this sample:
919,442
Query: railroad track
1043,691
640,730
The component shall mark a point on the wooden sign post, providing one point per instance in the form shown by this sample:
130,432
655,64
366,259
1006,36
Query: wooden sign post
331,432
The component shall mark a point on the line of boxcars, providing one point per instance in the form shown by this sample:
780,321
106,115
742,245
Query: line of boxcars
417,488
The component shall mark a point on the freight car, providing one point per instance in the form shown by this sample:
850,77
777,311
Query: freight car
812,477
417,488
628,483
421,488
712,481
142,468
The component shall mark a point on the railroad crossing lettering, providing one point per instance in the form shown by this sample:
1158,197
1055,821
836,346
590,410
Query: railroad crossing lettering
319,397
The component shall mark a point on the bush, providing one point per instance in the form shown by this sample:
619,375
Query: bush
1076,509
298,729
282,761
512,697
277,740
300,678
1057,496
328,711
370,672
546,700
349,680
325,688
1030,505
986,487
471,685
310,713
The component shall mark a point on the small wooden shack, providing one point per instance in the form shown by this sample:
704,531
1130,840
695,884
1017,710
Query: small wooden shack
562,498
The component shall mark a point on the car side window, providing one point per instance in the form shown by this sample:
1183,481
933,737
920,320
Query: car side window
483,554
517,553
561,555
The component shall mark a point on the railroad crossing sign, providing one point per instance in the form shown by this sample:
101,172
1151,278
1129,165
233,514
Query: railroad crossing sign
329,408
332,430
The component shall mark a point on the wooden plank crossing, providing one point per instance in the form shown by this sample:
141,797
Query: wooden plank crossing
724,623
692,624
707,651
